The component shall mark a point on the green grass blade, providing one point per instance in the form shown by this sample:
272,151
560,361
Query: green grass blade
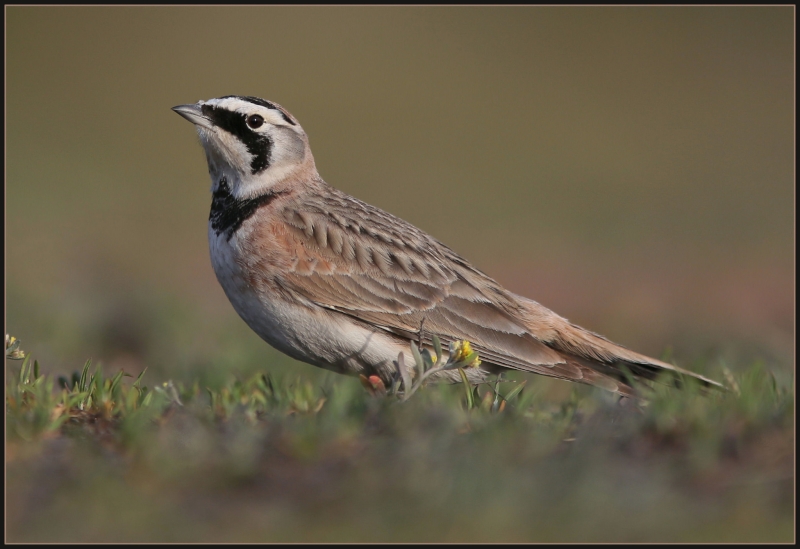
467,389
139,379
515,391
417,358
437,347
24,370
404,375
115,381
84,373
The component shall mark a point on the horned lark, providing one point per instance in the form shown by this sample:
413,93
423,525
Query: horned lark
337,283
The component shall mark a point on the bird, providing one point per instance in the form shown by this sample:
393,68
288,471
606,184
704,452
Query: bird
335,282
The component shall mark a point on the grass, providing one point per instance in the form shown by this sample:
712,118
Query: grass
102,457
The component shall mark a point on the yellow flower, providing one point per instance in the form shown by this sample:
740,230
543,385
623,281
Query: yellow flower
461,351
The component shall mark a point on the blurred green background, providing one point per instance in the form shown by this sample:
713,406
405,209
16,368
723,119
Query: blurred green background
630,168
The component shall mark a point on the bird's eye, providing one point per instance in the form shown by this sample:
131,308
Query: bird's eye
255,121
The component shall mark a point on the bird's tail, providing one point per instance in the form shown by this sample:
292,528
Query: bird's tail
602,362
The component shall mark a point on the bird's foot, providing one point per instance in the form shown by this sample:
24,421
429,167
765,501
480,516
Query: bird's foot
373,384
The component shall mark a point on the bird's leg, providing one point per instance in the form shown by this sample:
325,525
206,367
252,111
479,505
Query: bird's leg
373,384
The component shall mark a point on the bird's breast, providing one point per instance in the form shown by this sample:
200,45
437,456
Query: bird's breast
250,287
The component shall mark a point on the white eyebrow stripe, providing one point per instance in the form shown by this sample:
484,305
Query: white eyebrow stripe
234,104
271,116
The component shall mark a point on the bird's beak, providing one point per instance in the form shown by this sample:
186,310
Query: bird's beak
194,114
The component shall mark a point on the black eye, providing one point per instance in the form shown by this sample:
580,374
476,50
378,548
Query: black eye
255,121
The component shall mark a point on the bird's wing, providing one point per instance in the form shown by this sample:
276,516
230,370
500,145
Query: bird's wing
347,256
358,260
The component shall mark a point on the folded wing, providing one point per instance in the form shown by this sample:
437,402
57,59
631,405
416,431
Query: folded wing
360,261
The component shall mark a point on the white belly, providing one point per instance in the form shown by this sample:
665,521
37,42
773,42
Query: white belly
305,332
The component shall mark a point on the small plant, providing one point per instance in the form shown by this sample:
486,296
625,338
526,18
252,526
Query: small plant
460,357
260,395
13,351
36,407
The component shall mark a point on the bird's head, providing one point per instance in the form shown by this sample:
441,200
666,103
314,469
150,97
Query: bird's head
256,145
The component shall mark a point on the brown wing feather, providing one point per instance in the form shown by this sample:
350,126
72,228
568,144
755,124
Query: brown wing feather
363,262
394,279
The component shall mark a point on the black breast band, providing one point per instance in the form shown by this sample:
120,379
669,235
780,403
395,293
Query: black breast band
228,212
